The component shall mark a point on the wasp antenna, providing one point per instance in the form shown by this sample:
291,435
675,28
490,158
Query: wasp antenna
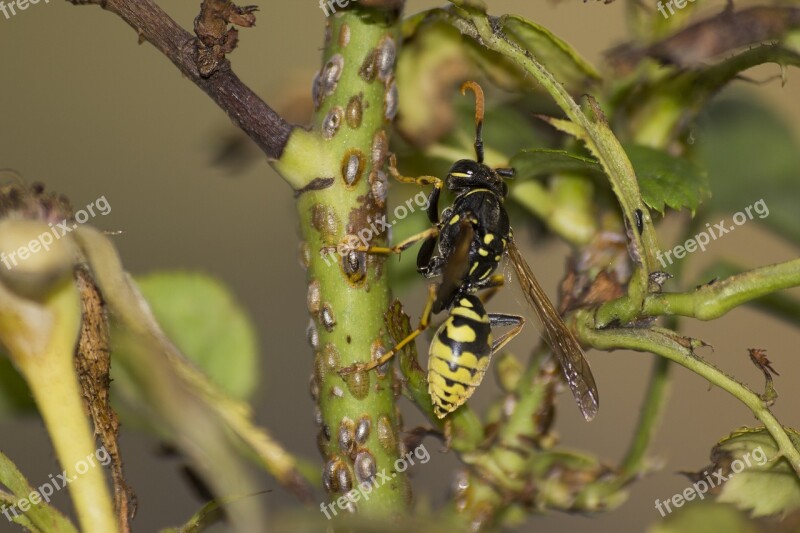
506,172
478,115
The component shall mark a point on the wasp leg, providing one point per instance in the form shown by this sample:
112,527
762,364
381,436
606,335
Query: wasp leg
420,180
430,233
424,322
433,198
497,319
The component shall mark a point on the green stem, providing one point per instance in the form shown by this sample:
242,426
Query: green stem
649,418
667,344
51,378
338,169
707,302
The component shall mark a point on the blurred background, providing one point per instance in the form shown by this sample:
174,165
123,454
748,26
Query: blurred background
88,112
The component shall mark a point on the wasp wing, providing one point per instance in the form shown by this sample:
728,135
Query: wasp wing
561,340
456,268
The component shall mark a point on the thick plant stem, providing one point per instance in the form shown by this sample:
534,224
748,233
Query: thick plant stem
343,203
51,378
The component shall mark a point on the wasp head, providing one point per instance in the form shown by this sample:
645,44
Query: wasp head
467,174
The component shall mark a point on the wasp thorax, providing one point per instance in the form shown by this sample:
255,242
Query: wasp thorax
365,467
332,122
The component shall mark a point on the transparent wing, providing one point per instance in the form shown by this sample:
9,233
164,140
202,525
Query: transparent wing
559,337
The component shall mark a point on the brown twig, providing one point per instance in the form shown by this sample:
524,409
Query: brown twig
93,364
259,121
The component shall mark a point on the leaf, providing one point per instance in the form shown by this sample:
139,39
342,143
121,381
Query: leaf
555,54
755,476
666,180
536,162
746,146
201,317
40,517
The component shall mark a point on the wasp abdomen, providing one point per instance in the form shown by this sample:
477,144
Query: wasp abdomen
459,355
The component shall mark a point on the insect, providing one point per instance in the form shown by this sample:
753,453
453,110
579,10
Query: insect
473,235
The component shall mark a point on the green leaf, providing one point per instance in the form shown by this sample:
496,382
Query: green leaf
756,477
201,317
751,153
537,162
556,55
666,180
40,517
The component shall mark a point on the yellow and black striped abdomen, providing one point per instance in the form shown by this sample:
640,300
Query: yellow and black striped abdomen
459,355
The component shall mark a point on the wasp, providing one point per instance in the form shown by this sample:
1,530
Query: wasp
472,236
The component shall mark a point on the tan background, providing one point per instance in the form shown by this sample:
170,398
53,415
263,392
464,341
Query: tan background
87,111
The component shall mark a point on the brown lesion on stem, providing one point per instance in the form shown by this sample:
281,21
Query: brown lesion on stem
93,364
202,60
